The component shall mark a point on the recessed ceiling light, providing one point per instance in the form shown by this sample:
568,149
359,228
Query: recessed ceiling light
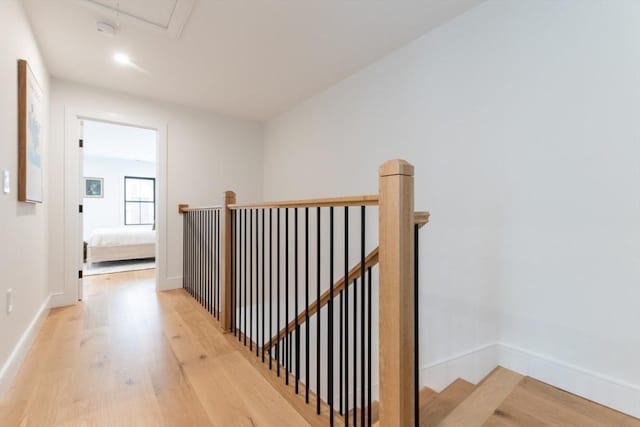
122,59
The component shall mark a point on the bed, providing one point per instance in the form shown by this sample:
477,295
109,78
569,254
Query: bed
118,244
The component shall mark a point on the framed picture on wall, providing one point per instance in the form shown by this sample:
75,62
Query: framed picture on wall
94,187
30,135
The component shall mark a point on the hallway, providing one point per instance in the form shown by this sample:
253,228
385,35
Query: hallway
128,356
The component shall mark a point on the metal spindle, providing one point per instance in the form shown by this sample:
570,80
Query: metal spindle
306,298
270,286
263,339
369,347
278,358
330,323
218,239
234,280
416,322
296,298
355,352
362,311
318,360
346,315
286,294
184,250
244,294
251,280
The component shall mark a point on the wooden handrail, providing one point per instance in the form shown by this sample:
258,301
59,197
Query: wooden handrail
184,208
420,218
354,273
363,200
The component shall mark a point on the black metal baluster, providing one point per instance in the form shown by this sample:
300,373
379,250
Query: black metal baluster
341,350
416,322
306,297
369,308
195,255
346,316
218,239
355,352
270,287
257,246
214,263
210,261
246,259
236,273
296,298
362,310
286,295
200,257
263,310
184,250
201,236
318,341
278,358
205,259
251,280
330,324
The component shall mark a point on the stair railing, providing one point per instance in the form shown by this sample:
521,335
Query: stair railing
293,281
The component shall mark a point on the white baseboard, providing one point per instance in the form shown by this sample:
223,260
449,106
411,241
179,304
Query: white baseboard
471,365
14,362
611,392
170,283
477,363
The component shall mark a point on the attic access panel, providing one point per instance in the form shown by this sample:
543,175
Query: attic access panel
169,16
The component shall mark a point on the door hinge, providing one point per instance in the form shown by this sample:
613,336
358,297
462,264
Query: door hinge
79,274
81,143
80,208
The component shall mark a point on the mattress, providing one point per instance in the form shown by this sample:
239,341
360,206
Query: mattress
117,244
108,237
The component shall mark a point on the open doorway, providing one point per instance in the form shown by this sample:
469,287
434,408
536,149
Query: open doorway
119,198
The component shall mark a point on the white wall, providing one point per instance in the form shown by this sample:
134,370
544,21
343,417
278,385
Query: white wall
521,120
108,211
23,227
207,154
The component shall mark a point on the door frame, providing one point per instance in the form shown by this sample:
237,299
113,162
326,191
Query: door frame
72,195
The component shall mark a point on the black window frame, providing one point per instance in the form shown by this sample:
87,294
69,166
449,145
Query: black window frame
153,202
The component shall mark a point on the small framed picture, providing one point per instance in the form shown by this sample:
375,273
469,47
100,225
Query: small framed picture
94,187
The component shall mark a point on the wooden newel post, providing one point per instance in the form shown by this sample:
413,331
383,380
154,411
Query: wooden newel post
396,236
225,291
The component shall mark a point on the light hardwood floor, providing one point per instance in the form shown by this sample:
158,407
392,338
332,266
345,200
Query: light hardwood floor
128,356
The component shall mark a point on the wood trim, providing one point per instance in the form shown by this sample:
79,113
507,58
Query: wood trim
225,291
421,218
364,200
201,208
396,296
354,273
22,130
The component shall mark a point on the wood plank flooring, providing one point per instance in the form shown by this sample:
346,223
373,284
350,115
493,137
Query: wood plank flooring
128,356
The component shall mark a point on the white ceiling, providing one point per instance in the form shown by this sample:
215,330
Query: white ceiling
247,58
106,140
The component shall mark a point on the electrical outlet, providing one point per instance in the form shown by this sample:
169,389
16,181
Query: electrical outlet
9,301
6,181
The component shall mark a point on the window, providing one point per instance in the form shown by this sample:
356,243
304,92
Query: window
139,200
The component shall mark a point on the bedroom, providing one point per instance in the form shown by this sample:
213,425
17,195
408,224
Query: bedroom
119,198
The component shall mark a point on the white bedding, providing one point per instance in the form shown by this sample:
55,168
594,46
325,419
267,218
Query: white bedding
109,237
